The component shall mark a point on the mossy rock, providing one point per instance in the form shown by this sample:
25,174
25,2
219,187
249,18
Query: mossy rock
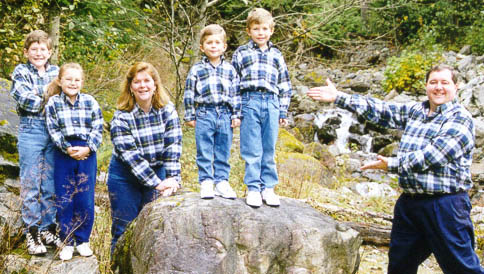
308,133
8,147
314,78
288,143
298,165
316,150
322,153
389,150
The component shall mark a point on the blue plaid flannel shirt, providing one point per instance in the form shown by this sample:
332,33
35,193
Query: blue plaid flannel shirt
82,120
435,152
28,88
209,85
263,70
146,140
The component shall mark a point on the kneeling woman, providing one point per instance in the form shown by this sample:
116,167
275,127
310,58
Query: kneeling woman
146,135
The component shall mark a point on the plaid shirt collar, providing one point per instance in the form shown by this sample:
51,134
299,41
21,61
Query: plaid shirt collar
34,68
138,111
206,61
254,46
64,98
441,109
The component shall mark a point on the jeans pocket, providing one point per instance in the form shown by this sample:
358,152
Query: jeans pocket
201,113
275,104
24,128
245,101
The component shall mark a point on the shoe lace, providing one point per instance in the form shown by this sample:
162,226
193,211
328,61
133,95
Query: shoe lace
33,238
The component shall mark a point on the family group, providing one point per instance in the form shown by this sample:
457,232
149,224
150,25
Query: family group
61,129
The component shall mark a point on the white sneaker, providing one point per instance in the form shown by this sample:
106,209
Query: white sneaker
34,243
270,198
206,189
254,199
66,253
84,249
224,190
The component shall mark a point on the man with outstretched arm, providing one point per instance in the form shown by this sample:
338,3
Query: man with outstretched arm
432,215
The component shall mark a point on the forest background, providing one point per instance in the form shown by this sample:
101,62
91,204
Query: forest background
106,37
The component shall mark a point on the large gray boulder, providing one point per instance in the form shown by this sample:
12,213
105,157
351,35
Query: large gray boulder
8,116
8,133
49,264
185,234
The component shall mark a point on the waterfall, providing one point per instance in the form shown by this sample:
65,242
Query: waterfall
342,130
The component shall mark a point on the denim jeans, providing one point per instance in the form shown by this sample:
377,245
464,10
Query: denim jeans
74,188
258,136
213,136
439,225
128,196
36,160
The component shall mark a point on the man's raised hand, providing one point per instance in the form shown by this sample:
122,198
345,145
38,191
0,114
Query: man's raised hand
326,93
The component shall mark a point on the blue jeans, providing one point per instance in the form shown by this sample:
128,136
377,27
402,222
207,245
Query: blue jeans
36,160
439,225
127,195
258,136
213,136
74,188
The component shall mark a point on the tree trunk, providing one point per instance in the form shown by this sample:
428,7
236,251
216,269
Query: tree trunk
54,33
364,12
199,24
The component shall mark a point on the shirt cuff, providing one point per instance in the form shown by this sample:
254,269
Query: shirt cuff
92,146
64,146
282,114
393,164
342,99
154,182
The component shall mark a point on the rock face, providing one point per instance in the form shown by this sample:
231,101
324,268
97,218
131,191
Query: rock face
184,234
8,133
48,264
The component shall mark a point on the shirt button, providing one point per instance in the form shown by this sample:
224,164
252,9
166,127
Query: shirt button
153,159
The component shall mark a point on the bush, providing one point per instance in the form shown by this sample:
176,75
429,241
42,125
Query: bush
475,38
407,71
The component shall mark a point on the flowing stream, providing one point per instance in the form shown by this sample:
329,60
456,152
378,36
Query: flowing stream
342,130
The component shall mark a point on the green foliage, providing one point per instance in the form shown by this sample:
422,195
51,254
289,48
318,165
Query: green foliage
342,28
445,18
17,18
407,71
475,36
101,31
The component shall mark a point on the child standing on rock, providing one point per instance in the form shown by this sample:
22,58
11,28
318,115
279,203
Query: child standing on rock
212,106
35,149
75,125
265,88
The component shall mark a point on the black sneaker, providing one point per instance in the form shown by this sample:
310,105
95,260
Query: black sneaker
34,244
49,236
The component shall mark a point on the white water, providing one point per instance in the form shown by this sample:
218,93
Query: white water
347,119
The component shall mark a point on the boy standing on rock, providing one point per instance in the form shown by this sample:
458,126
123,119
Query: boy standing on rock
265,88
35,149
212,107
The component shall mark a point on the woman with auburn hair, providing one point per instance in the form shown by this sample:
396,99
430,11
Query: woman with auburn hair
146,135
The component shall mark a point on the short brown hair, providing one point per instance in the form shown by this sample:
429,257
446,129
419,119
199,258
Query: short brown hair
212,29
442,67
260,16
126,100
37,36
